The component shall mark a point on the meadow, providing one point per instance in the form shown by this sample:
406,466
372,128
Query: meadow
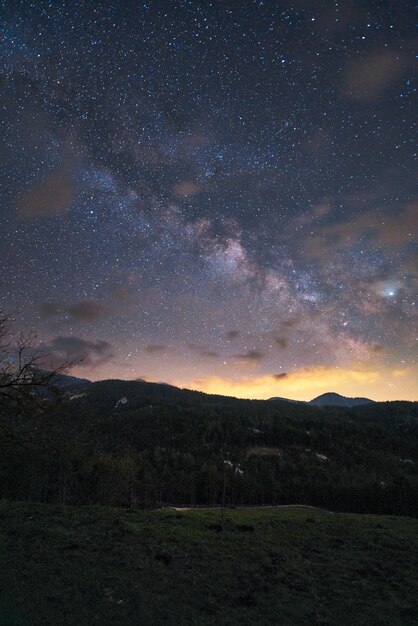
264,566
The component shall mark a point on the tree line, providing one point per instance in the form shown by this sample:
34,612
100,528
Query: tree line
172,451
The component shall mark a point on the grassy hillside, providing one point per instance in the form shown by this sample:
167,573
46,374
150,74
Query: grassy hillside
96,565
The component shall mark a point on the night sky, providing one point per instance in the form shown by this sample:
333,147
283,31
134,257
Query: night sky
218,195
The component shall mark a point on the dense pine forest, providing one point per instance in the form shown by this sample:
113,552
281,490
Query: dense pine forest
141,444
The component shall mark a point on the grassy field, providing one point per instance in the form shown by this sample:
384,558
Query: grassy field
84,566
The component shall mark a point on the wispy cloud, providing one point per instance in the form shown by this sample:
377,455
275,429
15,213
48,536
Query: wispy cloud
81,352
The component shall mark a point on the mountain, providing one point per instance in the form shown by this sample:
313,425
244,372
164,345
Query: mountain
62,381
106,393
275,398
335,399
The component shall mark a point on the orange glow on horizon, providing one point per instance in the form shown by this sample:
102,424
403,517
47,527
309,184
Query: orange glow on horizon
307,383
374,382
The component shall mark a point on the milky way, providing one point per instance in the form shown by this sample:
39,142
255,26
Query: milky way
219,195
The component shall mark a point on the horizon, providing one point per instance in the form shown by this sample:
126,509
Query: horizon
240,397
220,197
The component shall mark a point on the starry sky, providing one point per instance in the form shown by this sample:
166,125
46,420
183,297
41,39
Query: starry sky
218,195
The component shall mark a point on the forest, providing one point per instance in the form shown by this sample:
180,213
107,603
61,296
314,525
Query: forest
138,444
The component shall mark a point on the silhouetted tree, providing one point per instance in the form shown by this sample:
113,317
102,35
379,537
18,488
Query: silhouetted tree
22,363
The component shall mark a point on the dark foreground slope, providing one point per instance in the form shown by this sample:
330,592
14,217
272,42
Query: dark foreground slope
79,566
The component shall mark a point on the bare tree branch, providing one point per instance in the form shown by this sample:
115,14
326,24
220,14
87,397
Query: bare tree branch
23,366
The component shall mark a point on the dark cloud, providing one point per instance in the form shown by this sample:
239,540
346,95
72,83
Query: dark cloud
282,342
121,293
49,309
83,311
291,322
54,194
397,229
384,230
155,348
376,348
367,79
280,376
87,310
195,141
232,334
187,188
410,266
79,351
251,355
203,351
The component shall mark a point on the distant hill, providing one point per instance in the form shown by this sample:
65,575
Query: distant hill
335,399
278,398
62,381
106,393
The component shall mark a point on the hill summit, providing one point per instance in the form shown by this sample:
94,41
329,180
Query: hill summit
335,399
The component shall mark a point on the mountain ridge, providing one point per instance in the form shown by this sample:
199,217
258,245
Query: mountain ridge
163,390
